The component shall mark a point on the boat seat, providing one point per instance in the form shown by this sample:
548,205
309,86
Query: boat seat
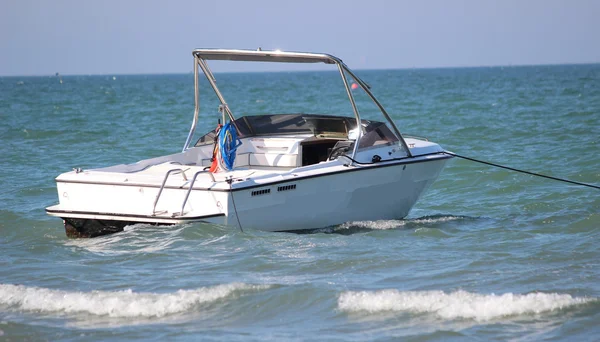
285,160
273,159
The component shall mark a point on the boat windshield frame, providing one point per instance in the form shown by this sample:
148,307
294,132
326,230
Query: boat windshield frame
277,56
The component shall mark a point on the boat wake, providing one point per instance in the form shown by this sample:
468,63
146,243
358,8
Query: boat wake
354,227
458,304
121,304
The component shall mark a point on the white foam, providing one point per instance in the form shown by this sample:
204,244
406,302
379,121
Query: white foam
393,224
114,304
376,225
436,219
131,241
458,304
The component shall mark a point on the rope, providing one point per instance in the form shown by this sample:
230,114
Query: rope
228,144
522,171
482,162
230,180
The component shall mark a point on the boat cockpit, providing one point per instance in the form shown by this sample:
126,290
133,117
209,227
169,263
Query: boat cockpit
296,140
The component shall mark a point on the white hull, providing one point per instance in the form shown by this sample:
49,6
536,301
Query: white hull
315,196
377,193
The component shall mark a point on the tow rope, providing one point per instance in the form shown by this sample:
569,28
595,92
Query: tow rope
476,161
522,171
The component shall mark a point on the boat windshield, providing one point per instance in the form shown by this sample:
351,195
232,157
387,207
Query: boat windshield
323,126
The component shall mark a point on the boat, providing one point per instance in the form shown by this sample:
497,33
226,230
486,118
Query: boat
266,171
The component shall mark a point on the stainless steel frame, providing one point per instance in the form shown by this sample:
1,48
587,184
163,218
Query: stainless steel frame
354,109
202,55
196,106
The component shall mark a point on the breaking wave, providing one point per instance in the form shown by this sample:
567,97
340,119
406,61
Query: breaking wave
115,303
458,304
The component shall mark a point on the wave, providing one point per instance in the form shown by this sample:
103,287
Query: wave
137,238
357,226
115,303
459,304
392,224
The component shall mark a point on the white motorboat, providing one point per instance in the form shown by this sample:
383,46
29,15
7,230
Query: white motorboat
274,172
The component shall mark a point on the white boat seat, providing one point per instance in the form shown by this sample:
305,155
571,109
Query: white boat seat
273,159
285,160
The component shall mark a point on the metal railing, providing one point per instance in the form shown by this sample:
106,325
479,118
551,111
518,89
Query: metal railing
190,189
163,186
187,195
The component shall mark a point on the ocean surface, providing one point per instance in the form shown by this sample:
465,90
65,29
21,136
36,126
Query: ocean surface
486,254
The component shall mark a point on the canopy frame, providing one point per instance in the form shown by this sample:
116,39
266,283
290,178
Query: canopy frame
277,56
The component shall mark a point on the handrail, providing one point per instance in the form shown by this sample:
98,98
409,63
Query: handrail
191,186
163,186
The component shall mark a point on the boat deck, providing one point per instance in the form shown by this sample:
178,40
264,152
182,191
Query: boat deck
175,174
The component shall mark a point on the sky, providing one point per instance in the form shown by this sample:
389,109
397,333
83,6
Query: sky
42,37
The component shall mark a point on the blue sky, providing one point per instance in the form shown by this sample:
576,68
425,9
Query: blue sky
39,37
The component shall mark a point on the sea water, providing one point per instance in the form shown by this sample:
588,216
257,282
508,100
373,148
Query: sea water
486,253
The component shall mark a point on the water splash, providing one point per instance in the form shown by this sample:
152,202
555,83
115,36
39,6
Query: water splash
138,238
115,303
458,304
393,224
360,226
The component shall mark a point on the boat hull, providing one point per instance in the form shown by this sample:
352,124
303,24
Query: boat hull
376,193
357,193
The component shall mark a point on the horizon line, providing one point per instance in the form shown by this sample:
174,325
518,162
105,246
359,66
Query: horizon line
277,71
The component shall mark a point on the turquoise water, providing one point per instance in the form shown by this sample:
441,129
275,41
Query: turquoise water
486,254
